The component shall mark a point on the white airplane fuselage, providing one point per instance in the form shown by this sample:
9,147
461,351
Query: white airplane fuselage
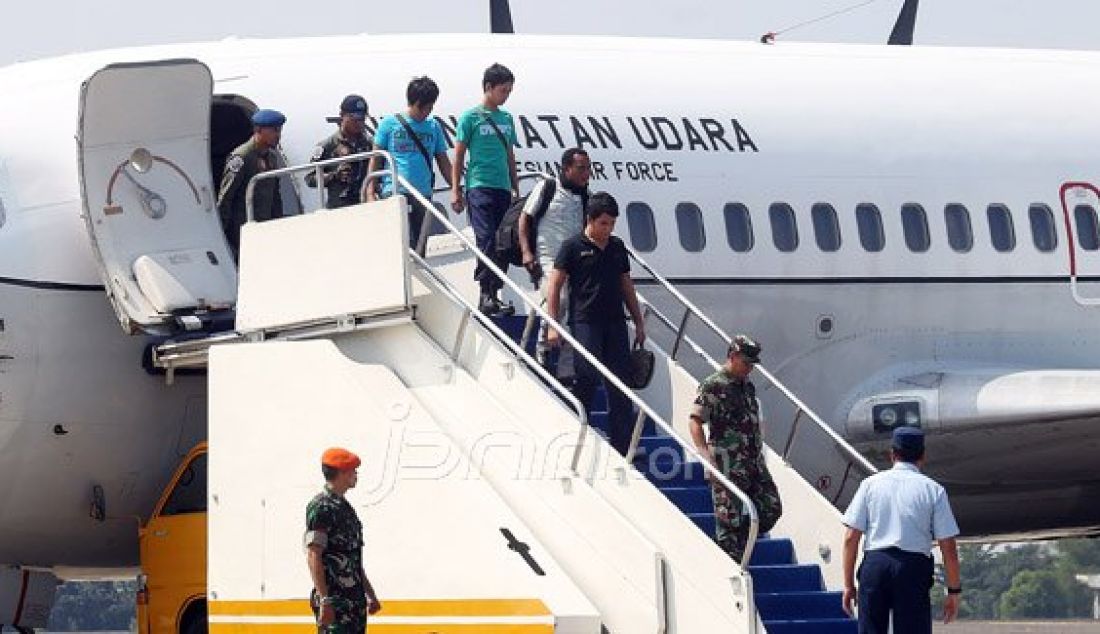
991,344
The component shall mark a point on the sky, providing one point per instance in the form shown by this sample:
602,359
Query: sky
34,29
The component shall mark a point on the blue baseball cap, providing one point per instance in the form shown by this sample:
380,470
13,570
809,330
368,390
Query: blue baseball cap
908,439
268,118
355,106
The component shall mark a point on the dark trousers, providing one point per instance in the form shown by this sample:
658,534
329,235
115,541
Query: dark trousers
416,219
897,581
350,618
487,208
607,341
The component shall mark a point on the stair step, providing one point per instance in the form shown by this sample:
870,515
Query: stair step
773,552
655,446
694,499
786,578
599,401
689,474
512,325
799,606
818,626
705,522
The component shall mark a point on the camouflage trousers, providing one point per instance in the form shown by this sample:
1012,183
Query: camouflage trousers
351,617
732,521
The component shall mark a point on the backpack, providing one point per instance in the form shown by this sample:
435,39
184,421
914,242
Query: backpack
507,235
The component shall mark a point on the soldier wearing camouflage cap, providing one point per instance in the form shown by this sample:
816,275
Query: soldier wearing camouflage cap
342,595
260,153
726,404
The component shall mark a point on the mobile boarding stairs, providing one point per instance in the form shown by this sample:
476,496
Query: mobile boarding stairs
489,503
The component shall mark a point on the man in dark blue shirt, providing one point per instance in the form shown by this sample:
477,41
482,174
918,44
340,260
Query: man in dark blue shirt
596,267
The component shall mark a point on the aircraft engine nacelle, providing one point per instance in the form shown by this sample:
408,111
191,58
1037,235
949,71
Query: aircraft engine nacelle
985,426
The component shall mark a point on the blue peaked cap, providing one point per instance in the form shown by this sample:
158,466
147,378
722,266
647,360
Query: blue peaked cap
268,118
908,439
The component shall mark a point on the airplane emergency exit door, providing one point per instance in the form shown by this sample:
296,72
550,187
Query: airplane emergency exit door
149,205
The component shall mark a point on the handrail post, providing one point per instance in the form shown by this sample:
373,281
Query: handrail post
635,437
680,333
528,327
790,436
319,174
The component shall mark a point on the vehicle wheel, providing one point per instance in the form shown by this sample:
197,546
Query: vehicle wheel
195,620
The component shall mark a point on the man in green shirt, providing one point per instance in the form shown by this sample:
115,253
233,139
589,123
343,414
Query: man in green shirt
488,134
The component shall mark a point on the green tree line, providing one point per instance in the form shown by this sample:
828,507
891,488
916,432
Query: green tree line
1029,581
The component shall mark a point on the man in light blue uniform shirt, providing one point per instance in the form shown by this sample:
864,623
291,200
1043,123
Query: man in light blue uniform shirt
413,139
900,512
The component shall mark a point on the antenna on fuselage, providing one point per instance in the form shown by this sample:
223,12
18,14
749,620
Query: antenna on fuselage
906,24
500,16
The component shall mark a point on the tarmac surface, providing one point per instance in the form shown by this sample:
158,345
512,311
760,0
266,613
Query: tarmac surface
1018,627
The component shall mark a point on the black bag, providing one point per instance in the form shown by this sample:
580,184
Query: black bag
641,367
507,235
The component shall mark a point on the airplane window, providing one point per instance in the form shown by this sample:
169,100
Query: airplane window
869,220
914,224
826,226
1043,233
959,233
689,223
643,232
738,227
784,227
1001,231
189,494
1088,229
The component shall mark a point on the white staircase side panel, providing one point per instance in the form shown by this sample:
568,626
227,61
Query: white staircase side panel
613,567
810,521
351,260
432,532
703,579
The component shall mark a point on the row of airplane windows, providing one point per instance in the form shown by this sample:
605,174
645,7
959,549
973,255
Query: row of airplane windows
872,236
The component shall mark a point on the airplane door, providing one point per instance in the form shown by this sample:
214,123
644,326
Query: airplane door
144,155
1080,209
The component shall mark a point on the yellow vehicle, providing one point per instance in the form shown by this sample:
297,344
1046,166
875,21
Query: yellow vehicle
171,597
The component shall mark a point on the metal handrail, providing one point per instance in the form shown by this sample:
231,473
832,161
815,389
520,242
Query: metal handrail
582,416
488,324
319,170
754,517
692,310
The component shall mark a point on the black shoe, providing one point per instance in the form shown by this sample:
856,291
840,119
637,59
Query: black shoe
493,307
489,305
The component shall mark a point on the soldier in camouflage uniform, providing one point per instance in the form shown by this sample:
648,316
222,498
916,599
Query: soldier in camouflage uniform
726,404
344,182
342,595
258,154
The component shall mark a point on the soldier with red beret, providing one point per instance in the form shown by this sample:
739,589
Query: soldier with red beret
342,595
